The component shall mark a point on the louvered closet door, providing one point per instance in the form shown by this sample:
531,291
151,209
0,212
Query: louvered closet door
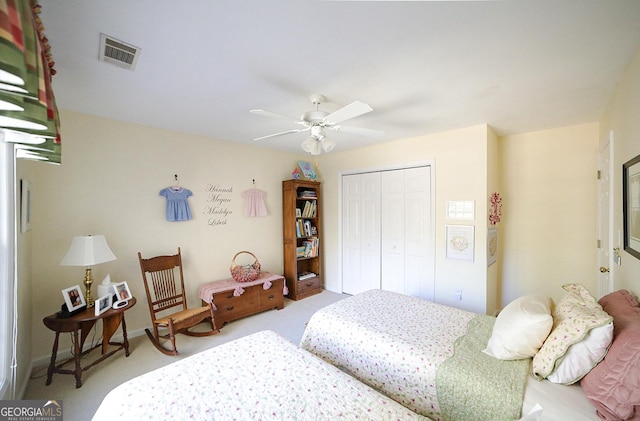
360,232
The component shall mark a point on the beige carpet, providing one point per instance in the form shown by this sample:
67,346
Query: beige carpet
80,404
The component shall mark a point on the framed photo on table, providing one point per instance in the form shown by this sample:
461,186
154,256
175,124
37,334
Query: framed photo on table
123,294
73,298
103,304
631,205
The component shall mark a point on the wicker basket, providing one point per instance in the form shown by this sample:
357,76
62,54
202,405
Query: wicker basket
246,273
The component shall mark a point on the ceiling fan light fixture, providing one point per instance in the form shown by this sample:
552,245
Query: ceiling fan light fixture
317,149
328,145
309,144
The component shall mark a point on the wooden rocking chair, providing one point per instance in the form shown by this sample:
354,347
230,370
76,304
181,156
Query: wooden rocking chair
164,285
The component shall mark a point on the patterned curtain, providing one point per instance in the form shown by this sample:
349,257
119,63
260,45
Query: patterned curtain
28,112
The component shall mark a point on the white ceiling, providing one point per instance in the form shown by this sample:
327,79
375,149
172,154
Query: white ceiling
424,66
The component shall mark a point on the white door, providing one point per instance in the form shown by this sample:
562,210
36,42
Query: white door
393,231
407,255
419,254
360,232
605,258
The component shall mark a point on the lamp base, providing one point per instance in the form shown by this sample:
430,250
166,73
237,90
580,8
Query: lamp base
88,280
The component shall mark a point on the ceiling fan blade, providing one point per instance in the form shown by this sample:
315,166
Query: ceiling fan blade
360,131
282,133
276,115
352,110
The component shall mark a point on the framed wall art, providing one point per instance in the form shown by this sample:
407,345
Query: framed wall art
460,240
631,205
492,245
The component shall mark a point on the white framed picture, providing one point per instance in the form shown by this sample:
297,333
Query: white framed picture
460,242
73,298
123,294
103,304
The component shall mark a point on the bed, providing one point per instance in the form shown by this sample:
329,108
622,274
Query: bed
431,359
260,376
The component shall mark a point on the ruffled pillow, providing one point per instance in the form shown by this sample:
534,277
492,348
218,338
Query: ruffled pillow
573,318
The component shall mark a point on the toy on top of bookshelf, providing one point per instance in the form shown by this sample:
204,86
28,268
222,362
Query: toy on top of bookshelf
307,170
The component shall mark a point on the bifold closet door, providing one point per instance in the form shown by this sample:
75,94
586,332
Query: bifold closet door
407,264
387,238
360,232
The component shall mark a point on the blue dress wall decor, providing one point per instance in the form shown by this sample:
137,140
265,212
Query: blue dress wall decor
177,203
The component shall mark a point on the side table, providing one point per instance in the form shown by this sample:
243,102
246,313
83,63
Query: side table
84,322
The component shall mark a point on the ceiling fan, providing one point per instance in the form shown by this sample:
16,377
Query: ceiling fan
317,121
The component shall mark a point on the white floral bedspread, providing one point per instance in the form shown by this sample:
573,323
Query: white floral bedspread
262,376
392,342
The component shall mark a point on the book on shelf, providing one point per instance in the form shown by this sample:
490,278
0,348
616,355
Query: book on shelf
311,246
306,275
307,194
309,209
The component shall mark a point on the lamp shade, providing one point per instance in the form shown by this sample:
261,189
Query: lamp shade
88,250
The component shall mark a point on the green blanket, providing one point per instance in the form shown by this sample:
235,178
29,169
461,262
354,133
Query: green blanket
474,386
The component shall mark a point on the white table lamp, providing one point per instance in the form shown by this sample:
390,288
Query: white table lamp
86,251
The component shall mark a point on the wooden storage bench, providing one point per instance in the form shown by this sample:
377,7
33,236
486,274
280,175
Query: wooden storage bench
233,300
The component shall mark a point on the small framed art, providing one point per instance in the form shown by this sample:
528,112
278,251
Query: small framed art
103,304
460,242
492,245
73,298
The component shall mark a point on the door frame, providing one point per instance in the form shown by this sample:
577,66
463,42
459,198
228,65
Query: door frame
425,163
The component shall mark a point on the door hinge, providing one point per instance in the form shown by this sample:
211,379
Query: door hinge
599,175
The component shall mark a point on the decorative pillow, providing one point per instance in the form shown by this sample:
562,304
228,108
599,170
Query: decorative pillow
582,356
574,317
521,328
613,386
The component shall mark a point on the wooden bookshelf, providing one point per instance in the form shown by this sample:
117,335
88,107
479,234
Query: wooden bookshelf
302,245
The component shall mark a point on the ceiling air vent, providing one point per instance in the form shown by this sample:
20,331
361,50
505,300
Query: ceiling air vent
117,52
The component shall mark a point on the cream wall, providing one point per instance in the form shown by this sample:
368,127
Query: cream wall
621,119
108,184
494,288
548,234
112,173
460,173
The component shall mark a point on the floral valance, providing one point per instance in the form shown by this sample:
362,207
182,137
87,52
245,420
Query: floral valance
28,112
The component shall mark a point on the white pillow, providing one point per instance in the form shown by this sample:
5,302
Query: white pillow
521,328
582,356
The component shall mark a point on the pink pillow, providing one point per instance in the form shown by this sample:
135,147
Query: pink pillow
613,386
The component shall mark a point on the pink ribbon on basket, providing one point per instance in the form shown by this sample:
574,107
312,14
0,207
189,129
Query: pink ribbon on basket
238,291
